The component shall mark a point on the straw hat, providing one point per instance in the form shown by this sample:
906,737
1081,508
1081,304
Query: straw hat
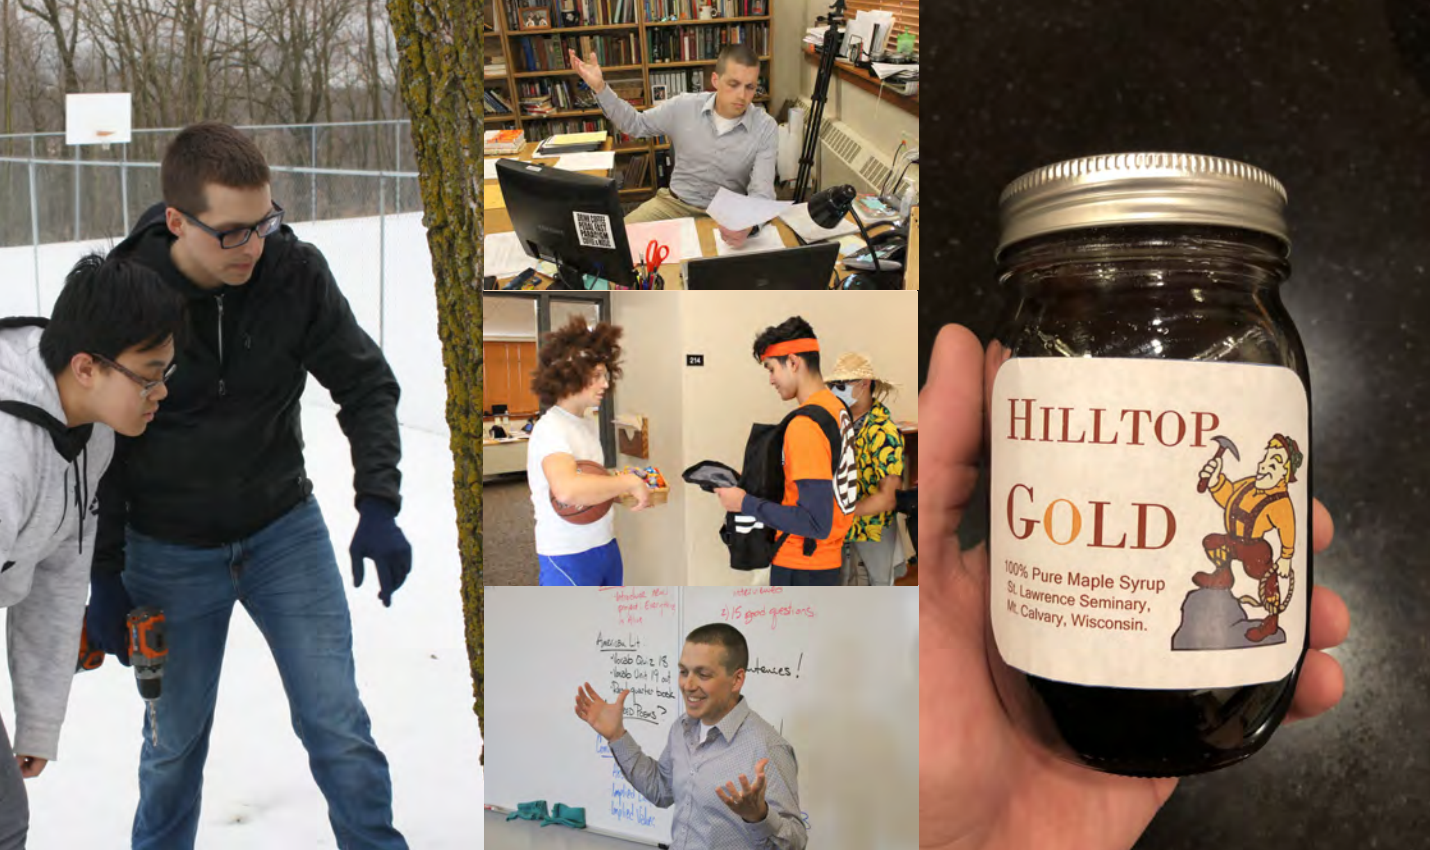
853,366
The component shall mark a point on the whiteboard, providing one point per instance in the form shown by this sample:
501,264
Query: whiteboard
835,669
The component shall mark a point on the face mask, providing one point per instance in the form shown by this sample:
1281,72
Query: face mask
845,395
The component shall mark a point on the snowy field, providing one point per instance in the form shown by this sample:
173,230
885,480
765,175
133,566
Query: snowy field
411,659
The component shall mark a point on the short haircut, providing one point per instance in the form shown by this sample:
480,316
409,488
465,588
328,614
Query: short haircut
728,638
794,327
206,153
569,356
740,54
109,306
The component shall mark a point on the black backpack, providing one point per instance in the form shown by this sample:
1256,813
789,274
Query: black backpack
752,544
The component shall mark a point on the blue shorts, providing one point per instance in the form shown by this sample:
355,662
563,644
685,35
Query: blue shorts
784,576
599,566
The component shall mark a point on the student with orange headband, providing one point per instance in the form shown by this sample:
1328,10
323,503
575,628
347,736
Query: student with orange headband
821,478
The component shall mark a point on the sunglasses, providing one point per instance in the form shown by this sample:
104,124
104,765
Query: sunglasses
146,386
237,236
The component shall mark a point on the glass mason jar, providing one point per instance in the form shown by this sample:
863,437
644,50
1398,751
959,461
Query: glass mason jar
1149,428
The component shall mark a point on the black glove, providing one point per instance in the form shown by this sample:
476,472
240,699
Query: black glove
108,614
378,538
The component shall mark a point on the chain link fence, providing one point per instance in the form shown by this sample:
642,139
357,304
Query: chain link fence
61,193
351,189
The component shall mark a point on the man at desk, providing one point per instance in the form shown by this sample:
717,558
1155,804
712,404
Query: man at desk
720,138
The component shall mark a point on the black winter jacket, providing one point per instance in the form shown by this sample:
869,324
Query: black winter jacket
223,457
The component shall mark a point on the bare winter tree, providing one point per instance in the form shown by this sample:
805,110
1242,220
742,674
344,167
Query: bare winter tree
63,25
256,62
439,48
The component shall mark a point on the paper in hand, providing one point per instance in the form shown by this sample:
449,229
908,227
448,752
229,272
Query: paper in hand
741,212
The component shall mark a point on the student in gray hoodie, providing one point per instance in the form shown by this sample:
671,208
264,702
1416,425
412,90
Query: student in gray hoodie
97,366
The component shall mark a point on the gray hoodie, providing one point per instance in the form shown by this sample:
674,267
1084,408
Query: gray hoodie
47,522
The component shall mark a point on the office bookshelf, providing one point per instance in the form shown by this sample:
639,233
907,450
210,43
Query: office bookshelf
633,39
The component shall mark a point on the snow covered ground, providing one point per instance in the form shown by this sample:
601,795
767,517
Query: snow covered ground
411,658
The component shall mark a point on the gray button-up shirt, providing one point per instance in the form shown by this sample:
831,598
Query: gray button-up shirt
742,160
690,770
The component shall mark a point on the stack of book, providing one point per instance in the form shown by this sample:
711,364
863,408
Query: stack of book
537,105
498,142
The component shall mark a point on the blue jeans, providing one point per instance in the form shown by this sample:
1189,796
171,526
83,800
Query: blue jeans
287,579
599,566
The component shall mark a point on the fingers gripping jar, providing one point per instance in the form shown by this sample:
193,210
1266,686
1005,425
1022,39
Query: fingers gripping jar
1149,428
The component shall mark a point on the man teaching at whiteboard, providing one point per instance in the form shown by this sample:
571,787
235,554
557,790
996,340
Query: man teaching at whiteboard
704,771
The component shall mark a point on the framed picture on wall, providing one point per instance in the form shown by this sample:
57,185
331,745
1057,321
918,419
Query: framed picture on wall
535,18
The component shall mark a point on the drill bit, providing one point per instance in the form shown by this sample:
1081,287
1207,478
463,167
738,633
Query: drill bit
153,722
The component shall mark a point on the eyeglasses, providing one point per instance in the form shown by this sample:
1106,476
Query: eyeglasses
238,236
146,386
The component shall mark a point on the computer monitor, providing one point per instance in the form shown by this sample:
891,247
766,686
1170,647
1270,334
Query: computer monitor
570,219
806,267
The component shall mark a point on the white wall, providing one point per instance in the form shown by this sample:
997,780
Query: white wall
650,386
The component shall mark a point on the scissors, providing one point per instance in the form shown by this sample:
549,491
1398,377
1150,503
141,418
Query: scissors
655,254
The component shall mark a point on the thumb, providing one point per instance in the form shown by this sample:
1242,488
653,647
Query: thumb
621,700
357,567
760,766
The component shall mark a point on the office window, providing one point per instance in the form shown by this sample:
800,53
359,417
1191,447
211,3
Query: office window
906,14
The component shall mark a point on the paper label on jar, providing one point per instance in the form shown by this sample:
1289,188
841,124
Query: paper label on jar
1108,565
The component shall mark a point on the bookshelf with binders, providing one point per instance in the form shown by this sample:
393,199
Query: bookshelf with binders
640,44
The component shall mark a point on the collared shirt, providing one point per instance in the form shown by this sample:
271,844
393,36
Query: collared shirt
880,448
690,769
741,160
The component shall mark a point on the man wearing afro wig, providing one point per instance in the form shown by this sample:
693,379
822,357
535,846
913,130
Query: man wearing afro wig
575,368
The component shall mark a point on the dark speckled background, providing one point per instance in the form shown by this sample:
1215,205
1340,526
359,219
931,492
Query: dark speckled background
1334,99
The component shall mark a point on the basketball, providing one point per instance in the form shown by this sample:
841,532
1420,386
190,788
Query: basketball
582,514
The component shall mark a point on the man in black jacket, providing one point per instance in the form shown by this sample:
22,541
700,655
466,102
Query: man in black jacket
212,505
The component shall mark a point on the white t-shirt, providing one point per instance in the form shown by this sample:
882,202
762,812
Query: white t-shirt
723,125
559,432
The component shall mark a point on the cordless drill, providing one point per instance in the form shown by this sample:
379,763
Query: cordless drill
148,650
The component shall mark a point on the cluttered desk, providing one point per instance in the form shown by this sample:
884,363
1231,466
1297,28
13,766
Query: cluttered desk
554,227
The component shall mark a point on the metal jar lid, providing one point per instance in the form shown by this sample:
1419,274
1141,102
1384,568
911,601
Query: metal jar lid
1141,188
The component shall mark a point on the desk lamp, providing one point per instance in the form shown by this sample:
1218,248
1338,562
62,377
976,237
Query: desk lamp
827,208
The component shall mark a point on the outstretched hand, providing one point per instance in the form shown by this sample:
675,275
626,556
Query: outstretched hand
589,71
607,718
982,785
748,801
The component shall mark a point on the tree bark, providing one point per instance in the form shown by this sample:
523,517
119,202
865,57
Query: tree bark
439,49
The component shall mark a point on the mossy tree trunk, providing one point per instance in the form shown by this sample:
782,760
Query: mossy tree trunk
439,49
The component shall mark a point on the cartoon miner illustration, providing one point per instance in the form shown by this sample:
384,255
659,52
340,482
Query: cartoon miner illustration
1254,506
